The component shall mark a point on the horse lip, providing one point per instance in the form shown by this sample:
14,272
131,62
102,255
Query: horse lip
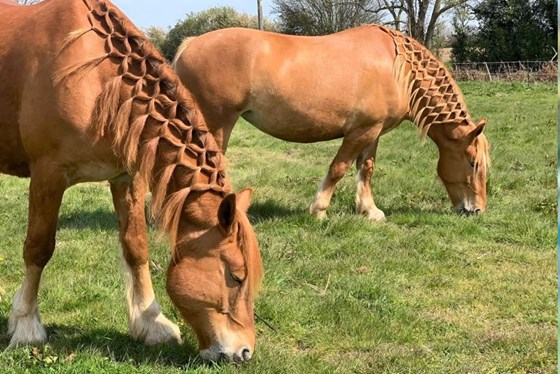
461,209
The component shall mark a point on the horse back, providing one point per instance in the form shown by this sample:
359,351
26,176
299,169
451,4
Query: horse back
294,86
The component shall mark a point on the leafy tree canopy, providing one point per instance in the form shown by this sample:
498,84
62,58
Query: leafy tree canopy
511,30
211,19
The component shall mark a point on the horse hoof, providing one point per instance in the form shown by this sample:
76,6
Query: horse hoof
156,330
27,330
320,214
376,215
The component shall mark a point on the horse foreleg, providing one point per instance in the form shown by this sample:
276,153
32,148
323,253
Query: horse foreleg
45,196
146,322
221,125
352,145
365,165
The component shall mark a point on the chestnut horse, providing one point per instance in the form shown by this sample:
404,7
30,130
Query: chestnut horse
357,84
85,97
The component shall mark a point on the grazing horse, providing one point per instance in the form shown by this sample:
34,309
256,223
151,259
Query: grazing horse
357,84
85,97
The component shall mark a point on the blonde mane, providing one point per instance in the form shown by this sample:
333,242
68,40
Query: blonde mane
155,127
482,151
248,242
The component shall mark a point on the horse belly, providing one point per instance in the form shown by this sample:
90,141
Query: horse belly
293,127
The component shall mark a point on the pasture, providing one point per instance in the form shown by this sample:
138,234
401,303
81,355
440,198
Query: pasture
427,291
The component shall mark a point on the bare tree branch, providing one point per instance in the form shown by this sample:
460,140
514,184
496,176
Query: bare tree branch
422,16
318,17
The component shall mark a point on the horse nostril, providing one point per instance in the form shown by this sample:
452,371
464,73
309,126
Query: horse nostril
477,211
246,354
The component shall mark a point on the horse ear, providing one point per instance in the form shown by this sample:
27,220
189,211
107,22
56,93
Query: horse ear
226,212
478,130
244,198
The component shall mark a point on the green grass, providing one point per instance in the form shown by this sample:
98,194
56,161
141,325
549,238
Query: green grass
427,291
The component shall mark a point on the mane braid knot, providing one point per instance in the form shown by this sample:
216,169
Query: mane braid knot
433,96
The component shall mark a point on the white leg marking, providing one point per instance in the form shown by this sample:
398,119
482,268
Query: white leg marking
365,204
146,322
321,201
24,323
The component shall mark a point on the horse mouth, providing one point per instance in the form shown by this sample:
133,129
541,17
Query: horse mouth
468,212
216,355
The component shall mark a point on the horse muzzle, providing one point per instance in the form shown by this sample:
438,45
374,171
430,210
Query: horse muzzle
468,211
217,353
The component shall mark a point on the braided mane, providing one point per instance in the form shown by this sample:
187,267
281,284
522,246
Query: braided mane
433,96
155,127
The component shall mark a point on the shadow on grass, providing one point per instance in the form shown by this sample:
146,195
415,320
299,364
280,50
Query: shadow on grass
100,219
270,209
417,211
118,347
106,220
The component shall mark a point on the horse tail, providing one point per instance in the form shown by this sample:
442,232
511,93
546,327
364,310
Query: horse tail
182,49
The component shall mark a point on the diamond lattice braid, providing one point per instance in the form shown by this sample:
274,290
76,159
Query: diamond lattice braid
150,118
434,97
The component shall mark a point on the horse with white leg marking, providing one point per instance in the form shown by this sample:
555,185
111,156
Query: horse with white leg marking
357,84
85,97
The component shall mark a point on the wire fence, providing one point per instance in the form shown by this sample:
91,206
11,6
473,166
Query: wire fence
512,71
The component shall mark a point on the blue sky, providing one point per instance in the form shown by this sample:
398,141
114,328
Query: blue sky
166,13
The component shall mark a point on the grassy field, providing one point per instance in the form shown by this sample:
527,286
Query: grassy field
427,291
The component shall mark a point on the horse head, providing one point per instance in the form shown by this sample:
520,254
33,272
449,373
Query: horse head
463,163
214,276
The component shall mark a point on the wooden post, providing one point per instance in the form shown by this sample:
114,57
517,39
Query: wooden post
259,14
488,71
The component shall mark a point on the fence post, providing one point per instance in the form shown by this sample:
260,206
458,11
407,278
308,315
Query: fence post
488,71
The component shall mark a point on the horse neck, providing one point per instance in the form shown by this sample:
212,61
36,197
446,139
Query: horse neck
154,125
432,95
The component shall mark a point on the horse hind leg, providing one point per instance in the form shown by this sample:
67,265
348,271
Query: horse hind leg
45,196
365,165
146,322
352,146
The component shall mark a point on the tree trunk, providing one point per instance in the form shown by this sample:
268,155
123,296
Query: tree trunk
259,14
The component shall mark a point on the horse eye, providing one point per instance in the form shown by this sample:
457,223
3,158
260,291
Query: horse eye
236,278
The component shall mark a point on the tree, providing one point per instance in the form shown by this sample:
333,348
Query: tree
418,17
156,35
211,19
516,30
464,33
545,13
320,17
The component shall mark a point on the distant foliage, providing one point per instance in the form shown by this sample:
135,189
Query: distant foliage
513,30
321,17
156,35
212,19
464,34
